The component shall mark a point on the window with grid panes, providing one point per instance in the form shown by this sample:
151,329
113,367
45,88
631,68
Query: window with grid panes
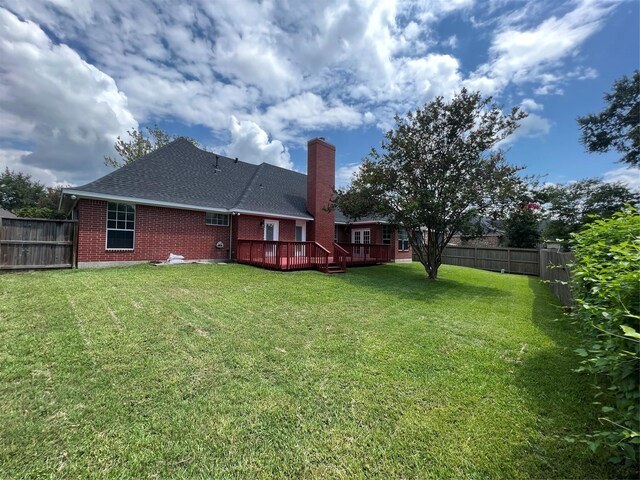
121,220
221,219
386,234
403,240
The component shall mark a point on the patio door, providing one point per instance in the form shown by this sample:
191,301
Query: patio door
301,236
360,236
271,234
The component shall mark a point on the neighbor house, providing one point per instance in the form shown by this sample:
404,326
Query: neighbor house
6,214
183,200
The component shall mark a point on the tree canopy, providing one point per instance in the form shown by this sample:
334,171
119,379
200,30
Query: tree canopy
617,127
522,227
141,144
26,197
18,190
567,208
436,171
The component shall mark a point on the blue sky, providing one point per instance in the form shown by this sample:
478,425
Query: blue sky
256,80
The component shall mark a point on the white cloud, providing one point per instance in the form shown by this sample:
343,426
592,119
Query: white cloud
629,176
451,42
523,55
283,69
251,144
530,105
71,111
11,158
345,173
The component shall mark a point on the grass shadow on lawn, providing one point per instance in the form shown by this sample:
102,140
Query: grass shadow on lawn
413,284
555,393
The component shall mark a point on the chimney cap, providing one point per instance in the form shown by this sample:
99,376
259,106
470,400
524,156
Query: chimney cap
321,139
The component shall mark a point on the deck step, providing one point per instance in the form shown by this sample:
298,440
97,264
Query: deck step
334,267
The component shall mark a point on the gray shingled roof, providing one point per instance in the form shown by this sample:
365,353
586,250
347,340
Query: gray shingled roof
6,214
183,174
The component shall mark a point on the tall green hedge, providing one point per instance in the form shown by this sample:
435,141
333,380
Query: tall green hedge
606,286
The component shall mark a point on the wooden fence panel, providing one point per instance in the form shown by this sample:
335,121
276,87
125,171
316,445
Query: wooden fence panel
512,260
554,267
30,243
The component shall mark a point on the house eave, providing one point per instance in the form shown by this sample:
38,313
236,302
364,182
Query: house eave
140,201
270,215
182,206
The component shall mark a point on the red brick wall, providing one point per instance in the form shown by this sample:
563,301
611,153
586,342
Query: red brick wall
247,227
376,237
158,232
321,168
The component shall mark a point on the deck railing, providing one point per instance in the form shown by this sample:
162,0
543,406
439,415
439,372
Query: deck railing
340,256
366,253
283,255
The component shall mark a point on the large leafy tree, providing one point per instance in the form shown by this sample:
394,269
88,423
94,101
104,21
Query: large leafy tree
567,208
437,170
141,144
18,190
617,127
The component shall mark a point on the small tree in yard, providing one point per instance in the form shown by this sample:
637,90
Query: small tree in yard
438,171
522,227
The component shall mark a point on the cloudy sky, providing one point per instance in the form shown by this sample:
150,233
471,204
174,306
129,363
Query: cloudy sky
257,79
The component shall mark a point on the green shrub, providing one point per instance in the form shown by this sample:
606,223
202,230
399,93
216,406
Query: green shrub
606,285
38,212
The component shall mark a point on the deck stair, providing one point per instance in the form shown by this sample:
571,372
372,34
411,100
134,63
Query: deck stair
334,267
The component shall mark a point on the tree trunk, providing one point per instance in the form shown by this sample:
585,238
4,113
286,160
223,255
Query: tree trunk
433,257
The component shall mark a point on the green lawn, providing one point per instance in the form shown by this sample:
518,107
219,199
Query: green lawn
230,371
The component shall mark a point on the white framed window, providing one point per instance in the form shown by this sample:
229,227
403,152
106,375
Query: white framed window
386,235
403,240
121,222
220,219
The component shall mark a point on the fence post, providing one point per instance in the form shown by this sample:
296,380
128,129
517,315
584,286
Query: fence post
475,257
508,260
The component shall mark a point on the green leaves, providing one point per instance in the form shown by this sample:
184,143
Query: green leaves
141,144
616,127
630,332
606,286
438,170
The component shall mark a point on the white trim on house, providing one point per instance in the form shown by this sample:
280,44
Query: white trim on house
364,222
140,201
183,206
268,214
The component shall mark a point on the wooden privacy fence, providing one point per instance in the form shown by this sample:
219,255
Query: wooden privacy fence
33,243
556,270
512,260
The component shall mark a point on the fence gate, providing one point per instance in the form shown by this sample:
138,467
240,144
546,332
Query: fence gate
33,243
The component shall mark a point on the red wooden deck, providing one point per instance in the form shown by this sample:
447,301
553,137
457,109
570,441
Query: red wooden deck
309,255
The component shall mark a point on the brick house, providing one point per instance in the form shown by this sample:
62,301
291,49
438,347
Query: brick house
180,199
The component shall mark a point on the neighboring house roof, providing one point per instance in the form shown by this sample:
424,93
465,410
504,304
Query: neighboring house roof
6,214
180,174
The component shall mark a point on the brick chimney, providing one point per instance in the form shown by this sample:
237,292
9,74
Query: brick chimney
321,170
